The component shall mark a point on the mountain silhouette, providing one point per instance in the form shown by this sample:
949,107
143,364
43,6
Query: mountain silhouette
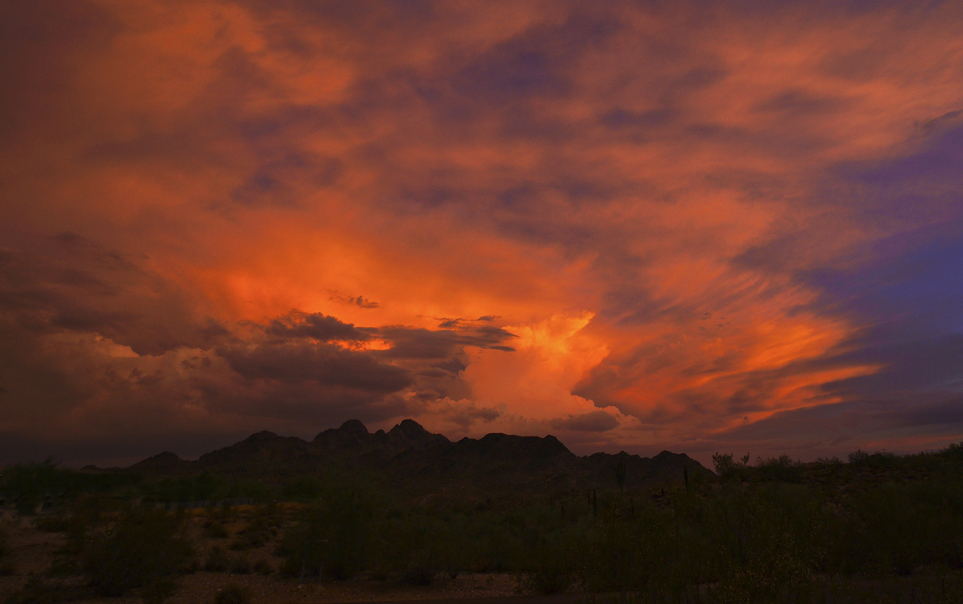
416,462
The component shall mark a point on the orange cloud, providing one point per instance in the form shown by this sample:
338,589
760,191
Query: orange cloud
640,195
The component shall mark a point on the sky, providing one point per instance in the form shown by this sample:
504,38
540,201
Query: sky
638,226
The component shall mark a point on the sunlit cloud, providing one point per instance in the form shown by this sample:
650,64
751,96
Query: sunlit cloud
635,226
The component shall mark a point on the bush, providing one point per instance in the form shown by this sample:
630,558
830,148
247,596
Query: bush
332,539
28,484
232,593
263,567
729,469
217,560
159,591
240,565
898,528
255,535
779,469
769,547
215,530
6,563
143,547
39,591
556,564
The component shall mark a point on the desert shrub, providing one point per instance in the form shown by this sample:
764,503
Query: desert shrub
255,535
303,489
418,560
747,542
767,542
207,486
240,565
232,593
159,591
729,469
214,529
496,544
630,553
331,539
142,547
557,562
41,591
27,484
900,527
217,560
779,469
263,567
6,562
53,524
768,551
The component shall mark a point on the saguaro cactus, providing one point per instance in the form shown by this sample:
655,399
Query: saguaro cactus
620,470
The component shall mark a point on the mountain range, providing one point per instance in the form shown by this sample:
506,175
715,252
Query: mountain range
411,460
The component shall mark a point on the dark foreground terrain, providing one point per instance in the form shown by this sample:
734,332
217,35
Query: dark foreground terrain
408,515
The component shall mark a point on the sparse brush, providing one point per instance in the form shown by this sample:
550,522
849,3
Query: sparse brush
240,565
142,547
333,538
159,591
7,568
214,529
232,593
255,535
217,560
53,524
38,590
263,567
419,575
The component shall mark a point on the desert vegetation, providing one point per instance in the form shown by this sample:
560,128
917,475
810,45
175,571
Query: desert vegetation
877,527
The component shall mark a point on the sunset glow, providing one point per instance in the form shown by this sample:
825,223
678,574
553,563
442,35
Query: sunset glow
637,226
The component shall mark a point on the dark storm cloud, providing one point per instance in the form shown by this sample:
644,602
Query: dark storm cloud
316,326
71,283
66,304
411,343
322,363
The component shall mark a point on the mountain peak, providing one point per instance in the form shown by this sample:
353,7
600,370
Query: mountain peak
418,460
161,461
261,436
408,427
354,427
409,434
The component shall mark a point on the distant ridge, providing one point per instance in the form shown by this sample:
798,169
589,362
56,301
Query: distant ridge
415,461
406,436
